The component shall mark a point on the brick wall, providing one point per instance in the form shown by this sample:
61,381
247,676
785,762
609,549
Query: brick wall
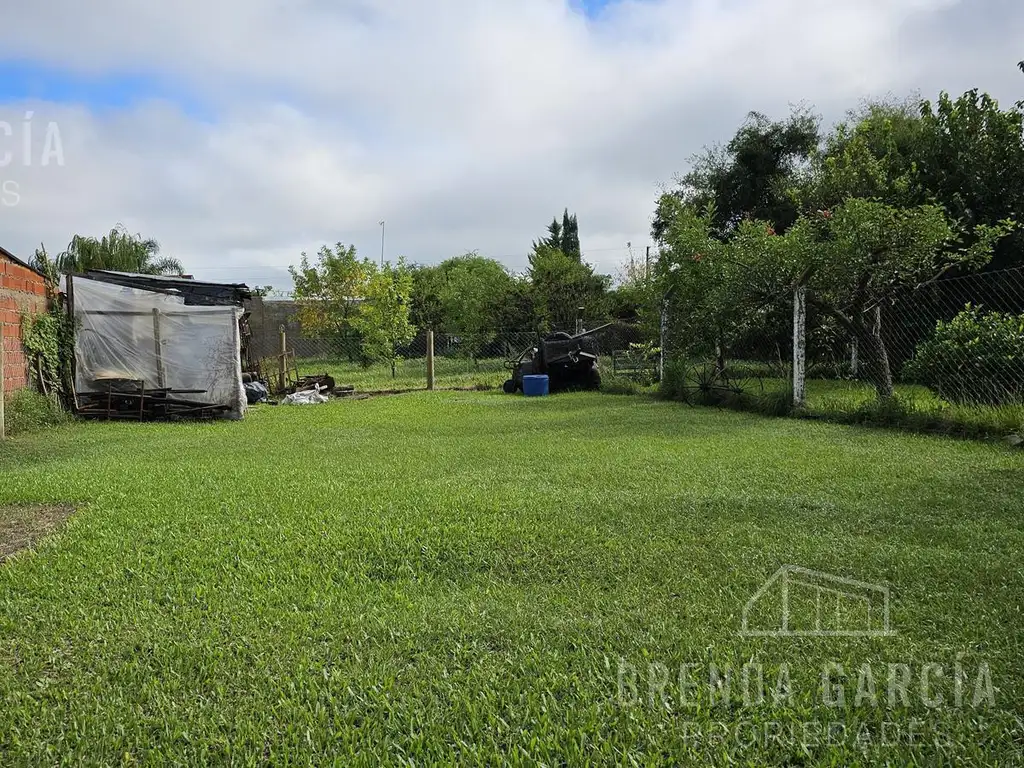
22,291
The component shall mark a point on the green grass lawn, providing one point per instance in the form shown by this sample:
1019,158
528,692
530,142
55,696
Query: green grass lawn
449,372
411,373
468,577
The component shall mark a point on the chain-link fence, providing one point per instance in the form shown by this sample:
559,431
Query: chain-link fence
474,360
745,350
956,342
950,346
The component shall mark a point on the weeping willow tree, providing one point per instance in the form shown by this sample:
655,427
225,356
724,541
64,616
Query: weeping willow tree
117,250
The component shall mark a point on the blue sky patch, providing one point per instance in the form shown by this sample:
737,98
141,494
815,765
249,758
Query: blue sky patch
593,8
24,80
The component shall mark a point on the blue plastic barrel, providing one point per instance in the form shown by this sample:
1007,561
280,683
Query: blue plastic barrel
535,385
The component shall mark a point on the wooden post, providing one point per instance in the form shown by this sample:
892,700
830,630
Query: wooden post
283,364
799,346
854,362
3,389
430,360
70,308
161,378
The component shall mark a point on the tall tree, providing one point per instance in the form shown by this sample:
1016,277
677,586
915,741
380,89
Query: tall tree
570,244
426,309
562,235
854,259
750,177
118,250
971,161
1020,66
330,291
472,299
965,154
565,289
851,260
554,236
871,154
383,320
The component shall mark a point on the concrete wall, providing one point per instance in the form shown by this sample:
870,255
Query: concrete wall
22,292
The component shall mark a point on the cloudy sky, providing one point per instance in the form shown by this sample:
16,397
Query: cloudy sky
239,133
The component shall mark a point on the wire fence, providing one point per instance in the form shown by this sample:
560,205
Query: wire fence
951,345
482,359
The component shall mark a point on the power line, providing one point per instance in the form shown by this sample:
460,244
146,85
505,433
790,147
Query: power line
496,258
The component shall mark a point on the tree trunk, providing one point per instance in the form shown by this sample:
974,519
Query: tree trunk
874,358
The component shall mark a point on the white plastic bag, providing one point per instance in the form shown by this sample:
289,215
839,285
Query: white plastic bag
308,397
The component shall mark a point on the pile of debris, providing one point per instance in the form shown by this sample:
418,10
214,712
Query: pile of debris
307,390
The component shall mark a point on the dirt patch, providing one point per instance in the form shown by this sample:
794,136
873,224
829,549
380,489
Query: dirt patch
23,525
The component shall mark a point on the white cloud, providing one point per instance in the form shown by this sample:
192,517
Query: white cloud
464,123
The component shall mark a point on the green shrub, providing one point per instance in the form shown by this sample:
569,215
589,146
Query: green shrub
619,385
975,359
673,383
28,411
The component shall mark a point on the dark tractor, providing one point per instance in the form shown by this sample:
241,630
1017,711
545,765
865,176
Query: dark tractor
570,362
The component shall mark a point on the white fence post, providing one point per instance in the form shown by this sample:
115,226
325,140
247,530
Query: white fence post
430,360
282,366
664,334
799,346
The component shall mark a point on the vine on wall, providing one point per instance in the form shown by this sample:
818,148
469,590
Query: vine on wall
49,340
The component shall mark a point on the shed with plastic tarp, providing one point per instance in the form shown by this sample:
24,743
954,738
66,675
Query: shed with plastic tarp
143,351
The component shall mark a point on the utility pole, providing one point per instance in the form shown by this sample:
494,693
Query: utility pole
382,243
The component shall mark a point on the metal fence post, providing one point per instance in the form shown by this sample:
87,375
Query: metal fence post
799,346
430,360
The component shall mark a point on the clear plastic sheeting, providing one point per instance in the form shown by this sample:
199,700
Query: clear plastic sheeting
129,334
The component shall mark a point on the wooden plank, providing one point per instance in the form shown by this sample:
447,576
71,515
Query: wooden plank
145,313
158,348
